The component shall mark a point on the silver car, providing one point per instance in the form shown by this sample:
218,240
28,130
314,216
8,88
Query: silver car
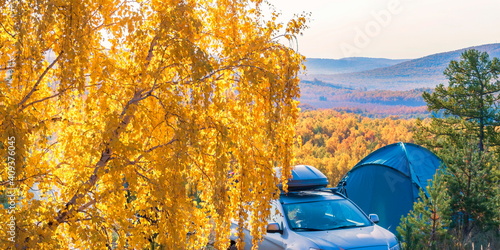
322,219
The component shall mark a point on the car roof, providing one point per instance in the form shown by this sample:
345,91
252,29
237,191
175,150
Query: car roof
309,196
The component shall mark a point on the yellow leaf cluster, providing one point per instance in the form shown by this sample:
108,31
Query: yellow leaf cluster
143,123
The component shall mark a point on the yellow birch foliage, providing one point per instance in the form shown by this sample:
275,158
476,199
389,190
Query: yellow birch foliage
141,123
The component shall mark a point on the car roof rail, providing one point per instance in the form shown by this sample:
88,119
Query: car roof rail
333,190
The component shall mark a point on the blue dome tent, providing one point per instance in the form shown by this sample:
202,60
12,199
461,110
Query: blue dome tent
387,181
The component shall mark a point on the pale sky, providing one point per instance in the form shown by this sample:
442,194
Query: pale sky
397,29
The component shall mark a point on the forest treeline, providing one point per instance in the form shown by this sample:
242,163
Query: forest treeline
316,94
390,97
335,141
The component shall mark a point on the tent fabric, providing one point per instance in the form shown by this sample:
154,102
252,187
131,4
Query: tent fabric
387,181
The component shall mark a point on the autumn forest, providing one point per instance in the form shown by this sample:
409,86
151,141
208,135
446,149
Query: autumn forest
335,141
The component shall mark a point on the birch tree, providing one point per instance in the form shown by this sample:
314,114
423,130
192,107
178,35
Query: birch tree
131,124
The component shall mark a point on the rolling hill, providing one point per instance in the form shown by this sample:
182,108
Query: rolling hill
380,87
425,72
317,66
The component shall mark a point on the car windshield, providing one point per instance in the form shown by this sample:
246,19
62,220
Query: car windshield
324,215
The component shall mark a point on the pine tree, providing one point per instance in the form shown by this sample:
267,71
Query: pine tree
473,186
470,102
426,226
464,133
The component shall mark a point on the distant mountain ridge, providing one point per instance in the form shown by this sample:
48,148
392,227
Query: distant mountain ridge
347,65
425,72
377,86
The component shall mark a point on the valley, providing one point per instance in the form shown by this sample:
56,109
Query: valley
377,87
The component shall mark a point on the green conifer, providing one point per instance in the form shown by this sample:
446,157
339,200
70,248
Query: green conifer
426,226
464,133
